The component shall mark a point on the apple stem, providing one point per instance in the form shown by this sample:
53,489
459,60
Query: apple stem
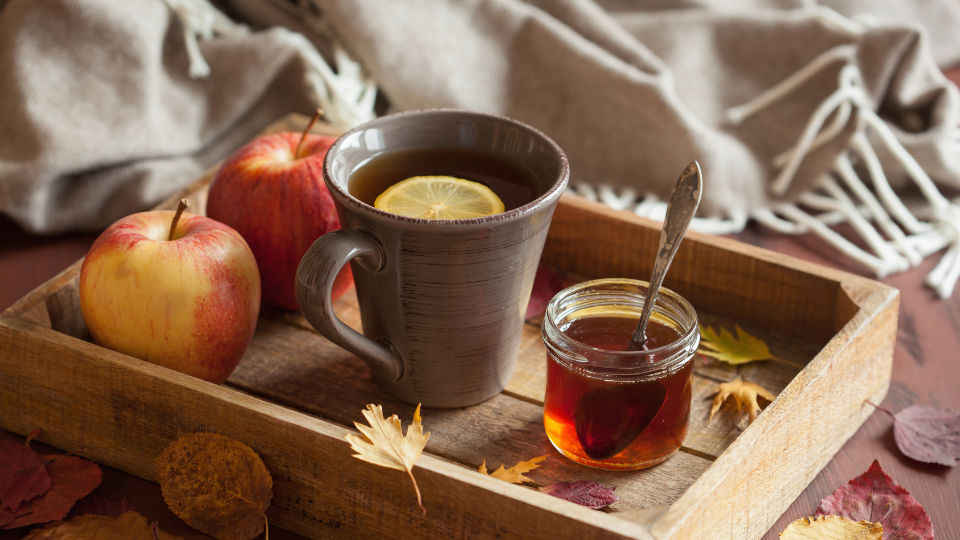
316,116
184,203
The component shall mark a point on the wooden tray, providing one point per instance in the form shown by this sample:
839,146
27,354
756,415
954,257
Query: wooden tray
295,395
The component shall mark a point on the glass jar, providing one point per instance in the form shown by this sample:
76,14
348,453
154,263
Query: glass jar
607,407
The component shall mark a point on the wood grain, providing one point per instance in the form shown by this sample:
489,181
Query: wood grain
704,439
924,372
294,396
124,412
300,369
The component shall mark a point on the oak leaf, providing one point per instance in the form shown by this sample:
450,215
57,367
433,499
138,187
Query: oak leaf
70,479
128,526
216,484
23,475
874,496
584,492
832,528
927,434
386,446
733,350
515,474
744,393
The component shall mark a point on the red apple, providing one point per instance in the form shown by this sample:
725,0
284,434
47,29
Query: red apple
272,192
187,301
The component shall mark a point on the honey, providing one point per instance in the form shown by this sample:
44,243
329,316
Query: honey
607,407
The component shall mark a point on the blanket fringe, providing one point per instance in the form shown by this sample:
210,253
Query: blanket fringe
894,238
905,240
346,94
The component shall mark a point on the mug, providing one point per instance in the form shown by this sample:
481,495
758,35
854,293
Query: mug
442,302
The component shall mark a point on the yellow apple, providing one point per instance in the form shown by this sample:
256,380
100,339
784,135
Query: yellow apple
187,299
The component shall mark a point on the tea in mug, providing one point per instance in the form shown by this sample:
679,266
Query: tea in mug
514,184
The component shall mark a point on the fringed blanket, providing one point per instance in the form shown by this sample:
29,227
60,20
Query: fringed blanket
802,116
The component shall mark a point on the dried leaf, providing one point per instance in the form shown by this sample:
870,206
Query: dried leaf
99,505
514,474
584,492
548,281
386,446
832,528
128,526
928,434
23,475
874,496
733,350
70,479
216,484
744,393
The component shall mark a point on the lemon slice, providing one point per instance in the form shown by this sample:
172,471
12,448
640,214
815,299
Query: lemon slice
439,197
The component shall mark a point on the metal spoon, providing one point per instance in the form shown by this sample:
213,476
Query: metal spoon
684,200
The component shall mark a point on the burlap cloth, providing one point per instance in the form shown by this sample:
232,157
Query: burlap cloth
105,109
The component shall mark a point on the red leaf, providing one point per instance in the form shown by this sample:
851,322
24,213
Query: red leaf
71,478
929,435
585,493
874,496
546,284
23,475
97,504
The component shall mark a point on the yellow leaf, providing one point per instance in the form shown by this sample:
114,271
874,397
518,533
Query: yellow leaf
385,444
217,484
733,350
832,528
514,474
744,393
129,526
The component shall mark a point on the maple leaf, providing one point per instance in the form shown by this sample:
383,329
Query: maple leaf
874,496
217,484
70,479
927,434
584,492
23,474
733,350
128,526
744,393
514,474
832,528
386,446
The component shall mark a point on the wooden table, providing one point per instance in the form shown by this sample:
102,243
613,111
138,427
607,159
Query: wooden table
926,371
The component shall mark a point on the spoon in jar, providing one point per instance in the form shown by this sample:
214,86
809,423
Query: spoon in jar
684,200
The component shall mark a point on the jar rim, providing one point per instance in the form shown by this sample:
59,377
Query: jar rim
669,351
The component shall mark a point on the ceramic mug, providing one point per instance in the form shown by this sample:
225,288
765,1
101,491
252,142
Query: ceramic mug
442,301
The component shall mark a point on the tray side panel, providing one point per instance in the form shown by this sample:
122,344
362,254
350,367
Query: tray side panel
725,277
123,413
765,469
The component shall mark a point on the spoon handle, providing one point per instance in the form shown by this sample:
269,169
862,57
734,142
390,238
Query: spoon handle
684,200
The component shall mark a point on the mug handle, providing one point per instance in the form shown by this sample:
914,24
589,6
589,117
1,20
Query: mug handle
315,275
